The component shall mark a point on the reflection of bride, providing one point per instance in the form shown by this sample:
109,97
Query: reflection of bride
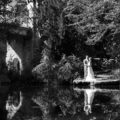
88,100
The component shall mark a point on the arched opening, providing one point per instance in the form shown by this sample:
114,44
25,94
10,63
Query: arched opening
13,61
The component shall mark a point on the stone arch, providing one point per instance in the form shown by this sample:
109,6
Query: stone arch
13,61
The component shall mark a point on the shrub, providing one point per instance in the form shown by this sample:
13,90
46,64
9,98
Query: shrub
69,68
116,73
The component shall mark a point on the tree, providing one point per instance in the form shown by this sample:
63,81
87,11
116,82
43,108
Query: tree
95,22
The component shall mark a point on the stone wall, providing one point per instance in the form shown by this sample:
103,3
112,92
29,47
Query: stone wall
2,56
19,48
16,49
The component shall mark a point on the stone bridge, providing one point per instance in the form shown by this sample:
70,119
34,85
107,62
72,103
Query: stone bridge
18,42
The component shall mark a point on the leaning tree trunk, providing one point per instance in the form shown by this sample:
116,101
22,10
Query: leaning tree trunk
32,23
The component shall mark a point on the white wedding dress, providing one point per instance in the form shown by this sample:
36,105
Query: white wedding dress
90,74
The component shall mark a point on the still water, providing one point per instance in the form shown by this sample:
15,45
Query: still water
53,102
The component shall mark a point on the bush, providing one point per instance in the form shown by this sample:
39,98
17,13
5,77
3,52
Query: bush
69,68
116,73
42,70
109,64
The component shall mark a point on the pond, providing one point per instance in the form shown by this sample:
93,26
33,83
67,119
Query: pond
55,102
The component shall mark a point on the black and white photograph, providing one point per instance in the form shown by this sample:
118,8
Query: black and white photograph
59,59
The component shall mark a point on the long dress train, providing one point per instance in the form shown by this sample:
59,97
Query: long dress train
90,74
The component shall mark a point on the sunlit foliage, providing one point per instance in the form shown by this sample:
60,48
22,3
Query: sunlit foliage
69,27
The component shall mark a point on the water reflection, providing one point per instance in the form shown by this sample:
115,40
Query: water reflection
61,103
89,95
13,104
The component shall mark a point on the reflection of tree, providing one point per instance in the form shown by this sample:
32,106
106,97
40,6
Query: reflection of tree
68,103
42,104
65,97
59,103
116,97
113,110
109,104
41,99
65,103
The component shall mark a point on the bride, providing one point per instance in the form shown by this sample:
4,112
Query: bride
90,74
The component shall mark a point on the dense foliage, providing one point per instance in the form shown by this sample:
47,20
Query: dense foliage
84,27
58,103
70,27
